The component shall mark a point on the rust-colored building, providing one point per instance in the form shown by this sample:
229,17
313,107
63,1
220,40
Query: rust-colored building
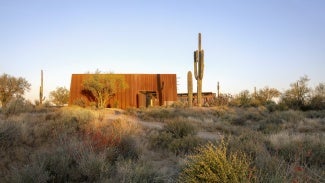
143,90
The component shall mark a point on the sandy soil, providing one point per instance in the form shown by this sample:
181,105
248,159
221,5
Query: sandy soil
113,114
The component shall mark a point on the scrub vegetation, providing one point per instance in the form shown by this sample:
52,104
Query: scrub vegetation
246,138
74,144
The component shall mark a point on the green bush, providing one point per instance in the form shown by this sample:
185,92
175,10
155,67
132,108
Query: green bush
214,164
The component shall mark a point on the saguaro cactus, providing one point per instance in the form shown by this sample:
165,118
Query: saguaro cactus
218,89
198,70
41,98
189,89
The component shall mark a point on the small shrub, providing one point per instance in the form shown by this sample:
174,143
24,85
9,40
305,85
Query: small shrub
81,102
140,172
160,140
177,137
93,167
73,119
179,129
10,133
306,149
315,114
213,164
184,145
127,148
291,116
17,106
30,173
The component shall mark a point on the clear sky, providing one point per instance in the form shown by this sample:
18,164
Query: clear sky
247,43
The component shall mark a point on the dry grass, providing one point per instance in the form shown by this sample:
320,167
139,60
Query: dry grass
74,144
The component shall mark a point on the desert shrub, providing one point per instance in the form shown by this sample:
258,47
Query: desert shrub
17,106
246,116
315,114
179,104
305,149
81,102
127,148
136,172
271,106
74,161
248,141
74,119
256,145
123,127
93,167
156,114
271,169
185,145
179,129
10,133
270,124
80,114
160,140
178,137
214,164
302,156
291,116
30,173
60,165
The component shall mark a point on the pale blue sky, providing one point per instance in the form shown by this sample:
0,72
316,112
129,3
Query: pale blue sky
247,43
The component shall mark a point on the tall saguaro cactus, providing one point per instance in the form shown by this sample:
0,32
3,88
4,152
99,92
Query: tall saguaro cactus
198,70
189,89
41,98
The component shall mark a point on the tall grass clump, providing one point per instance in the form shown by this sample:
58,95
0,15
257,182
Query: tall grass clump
214,164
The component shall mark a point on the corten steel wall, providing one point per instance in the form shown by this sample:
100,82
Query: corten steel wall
133,94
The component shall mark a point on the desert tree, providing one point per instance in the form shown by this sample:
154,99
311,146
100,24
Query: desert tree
242,99
11,87
297,96
317,100
103,86
267,94
59,96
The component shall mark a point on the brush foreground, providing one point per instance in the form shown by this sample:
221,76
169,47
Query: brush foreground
221,144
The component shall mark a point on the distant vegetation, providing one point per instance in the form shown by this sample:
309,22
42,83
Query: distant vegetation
60,96
298,97
245,138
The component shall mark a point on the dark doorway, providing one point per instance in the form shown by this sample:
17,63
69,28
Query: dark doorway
146,98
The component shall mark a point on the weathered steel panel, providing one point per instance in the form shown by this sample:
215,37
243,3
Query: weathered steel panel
160,89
